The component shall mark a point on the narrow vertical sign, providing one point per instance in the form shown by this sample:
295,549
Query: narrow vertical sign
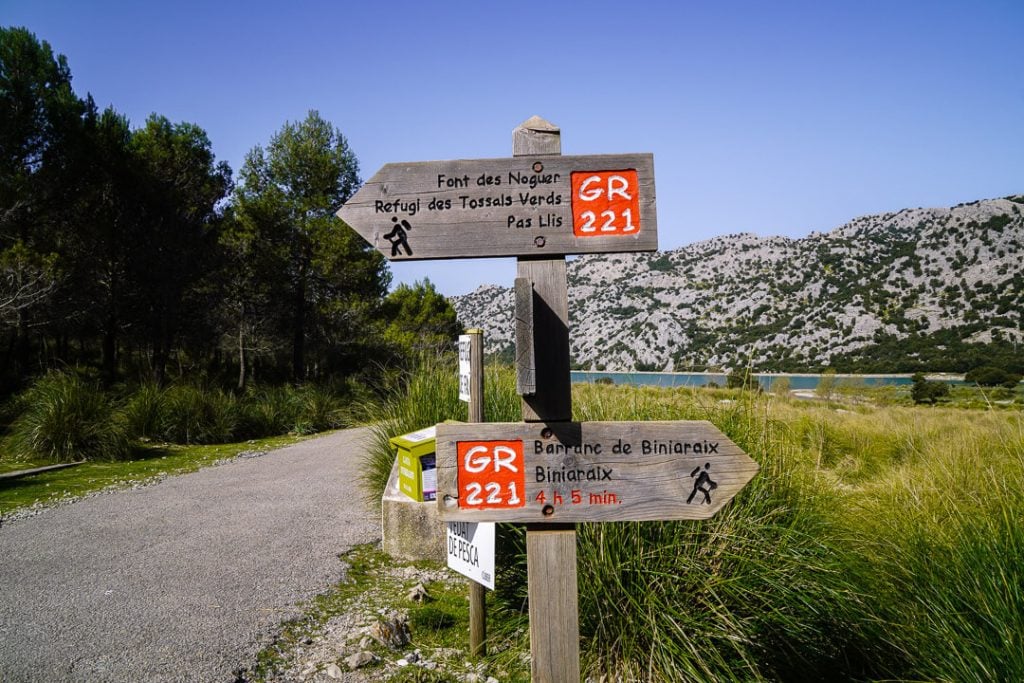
464,367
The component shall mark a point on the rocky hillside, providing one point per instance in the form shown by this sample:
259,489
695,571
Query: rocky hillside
936,289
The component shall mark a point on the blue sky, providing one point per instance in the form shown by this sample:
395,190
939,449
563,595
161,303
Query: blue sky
778,118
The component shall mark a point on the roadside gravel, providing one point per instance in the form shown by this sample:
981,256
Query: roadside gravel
185,579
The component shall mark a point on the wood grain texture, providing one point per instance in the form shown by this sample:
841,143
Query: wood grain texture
476,376
477,597
526,359
476,222
551,552
477,619
603,471
554,612
551,399
536,136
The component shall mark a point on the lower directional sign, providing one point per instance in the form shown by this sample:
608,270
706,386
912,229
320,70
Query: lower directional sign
587,471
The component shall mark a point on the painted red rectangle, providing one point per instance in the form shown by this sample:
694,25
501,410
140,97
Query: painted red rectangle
605,203
491,475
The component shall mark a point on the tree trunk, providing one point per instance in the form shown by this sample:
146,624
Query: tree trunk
241,356
110,354
22,346
299,339
159,363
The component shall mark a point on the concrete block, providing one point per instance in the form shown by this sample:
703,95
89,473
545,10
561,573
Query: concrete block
410,530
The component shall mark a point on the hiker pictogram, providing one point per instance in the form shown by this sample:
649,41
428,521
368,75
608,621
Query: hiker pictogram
399,237
704,483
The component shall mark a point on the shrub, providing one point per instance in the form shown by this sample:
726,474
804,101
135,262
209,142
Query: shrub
992,376
67,418
144,412
194,415
826,384
780,386
318,410
428,396
268,412
924,391
742,379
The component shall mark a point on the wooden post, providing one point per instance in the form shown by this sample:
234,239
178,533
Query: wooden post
550,548
526,363
477,592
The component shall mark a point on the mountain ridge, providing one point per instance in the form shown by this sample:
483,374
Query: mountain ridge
936,289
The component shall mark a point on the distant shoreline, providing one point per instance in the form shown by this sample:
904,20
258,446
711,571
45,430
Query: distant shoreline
948,376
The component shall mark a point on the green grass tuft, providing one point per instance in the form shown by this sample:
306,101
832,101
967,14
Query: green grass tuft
65,418
877,542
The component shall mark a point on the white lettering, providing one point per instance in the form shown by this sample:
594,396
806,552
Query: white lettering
477,464
506,462
620,190
590,195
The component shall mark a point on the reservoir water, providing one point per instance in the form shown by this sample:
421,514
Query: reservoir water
700,379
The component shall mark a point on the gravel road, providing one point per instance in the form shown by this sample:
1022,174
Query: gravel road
183,580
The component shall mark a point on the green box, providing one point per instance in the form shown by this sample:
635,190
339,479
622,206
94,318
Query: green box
417,463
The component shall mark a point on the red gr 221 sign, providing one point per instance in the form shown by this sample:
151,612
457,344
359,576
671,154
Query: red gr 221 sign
491,475
605,203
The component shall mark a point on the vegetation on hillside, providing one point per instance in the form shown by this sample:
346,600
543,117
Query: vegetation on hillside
932,290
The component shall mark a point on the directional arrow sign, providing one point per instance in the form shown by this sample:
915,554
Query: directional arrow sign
587,471
520,206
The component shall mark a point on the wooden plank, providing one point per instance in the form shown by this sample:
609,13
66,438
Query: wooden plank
517,206
551,551
526,360
477,595
552,591
551,399
535,136
477,619
588,471
476,375
17,474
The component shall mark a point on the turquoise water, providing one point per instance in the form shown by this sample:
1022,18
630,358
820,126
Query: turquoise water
680,379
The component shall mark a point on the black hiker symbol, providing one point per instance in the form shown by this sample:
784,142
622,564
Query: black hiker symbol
704,483
399,236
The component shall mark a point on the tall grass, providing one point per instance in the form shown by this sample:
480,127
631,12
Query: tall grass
192,415
427,397
875,543
144,411
64,418
946,527
749,595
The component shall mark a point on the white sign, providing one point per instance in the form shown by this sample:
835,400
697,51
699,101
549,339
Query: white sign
471,550
464,357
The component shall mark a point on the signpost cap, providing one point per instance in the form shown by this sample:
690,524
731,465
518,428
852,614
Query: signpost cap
538,124
474,330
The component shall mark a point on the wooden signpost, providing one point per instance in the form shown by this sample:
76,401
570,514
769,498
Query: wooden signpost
547,471
587,471
520,206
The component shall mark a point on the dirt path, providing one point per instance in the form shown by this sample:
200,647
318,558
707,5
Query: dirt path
180,581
